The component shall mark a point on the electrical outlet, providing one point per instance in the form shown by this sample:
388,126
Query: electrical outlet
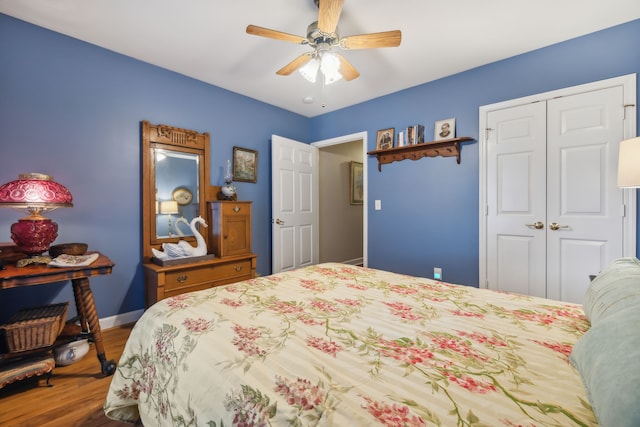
437,273
378,205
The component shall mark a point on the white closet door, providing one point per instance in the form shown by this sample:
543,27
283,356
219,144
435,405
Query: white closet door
554,213
516,199
584,133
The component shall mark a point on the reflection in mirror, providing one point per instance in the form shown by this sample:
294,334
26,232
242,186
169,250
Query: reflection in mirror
175,184
177,192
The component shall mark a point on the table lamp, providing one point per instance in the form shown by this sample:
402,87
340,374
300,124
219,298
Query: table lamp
36,194
169,208
629,163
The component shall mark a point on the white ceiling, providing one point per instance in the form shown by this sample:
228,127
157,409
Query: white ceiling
206,39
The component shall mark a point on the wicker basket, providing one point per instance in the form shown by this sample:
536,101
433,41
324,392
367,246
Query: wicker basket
34,328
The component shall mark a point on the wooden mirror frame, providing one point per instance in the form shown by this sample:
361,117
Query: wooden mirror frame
179,140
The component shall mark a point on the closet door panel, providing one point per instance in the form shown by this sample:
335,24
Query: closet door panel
516,199
584,131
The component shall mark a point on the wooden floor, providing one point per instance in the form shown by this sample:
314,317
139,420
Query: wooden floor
76,397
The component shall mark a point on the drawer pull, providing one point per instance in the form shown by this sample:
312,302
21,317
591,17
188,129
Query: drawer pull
238,268
236,208
182,279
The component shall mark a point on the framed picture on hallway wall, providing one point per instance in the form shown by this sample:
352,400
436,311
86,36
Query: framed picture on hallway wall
356,187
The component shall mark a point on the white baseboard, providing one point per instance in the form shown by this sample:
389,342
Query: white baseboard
355,261
120,319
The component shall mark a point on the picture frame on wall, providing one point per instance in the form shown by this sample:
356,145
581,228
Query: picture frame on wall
245,165
444,129
356,183
384,139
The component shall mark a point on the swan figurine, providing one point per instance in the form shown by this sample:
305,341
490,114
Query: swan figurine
179,232
183,249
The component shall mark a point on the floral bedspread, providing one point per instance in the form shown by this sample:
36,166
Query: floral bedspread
338,345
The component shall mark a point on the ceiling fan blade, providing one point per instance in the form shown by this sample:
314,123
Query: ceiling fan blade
328,15
373,40
273,34
347,70
295,64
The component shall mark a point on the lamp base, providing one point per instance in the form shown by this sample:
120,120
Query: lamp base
229,191
34,236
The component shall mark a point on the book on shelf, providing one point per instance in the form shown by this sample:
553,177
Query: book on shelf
419,133
411,139
411,135
415,134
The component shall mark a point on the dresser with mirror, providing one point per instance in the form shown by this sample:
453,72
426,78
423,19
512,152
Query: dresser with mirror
175,190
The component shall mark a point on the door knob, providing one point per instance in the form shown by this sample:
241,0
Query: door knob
556,226
279,221
537,225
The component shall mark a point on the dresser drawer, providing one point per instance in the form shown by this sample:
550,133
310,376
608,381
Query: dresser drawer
231,209
165,281
232,270
179,291
187,277
208,273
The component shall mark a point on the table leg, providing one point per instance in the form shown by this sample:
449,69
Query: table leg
77,295
89,317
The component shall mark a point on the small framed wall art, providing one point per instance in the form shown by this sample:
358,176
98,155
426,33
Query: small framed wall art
444,129
245,165
356,186
384,139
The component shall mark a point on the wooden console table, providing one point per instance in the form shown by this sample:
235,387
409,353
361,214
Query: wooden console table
39,274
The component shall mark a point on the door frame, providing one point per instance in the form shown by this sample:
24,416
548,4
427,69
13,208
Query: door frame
365,215
629,195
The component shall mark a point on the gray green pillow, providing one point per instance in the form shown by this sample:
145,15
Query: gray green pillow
608,359
615,288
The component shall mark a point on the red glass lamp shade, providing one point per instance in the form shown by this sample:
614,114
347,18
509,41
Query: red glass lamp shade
36,194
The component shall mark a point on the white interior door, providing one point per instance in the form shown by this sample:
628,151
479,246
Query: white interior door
295,216
553,214
516,199
583,201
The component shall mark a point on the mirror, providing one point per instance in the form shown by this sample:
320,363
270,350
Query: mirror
176,192
175,171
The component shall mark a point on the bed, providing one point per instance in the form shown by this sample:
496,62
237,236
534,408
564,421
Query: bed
338,345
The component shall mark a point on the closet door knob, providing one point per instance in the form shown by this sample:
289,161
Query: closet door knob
556,226
538,225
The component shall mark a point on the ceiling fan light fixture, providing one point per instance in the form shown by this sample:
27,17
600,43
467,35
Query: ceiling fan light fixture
310,70
330,67
322,36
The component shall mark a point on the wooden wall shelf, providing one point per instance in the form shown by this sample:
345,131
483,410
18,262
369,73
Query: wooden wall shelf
444,148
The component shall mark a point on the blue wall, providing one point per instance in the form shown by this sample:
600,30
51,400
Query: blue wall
429,215
73,110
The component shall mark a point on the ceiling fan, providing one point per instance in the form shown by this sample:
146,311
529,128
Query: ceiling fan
322,36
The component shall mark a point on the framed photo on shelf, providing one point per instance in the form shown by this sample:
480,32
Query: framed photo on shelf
384,140
356,186
444,129
245,165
